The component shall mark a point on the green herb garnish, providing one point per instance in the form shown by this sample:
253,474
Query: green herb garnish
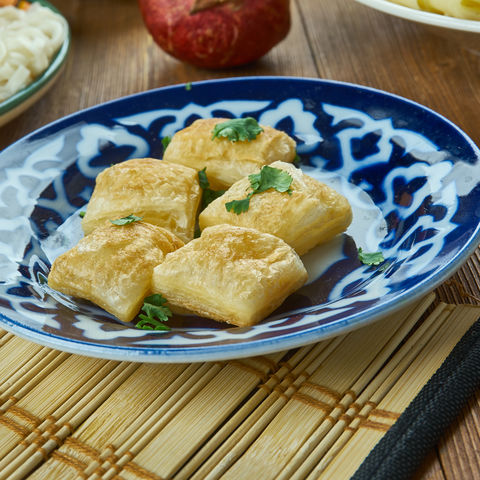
208,195
239,206
271,177
126,220
156,313
297,161
165,142
267,178
370,258
238,129
188,86
42,279
81,214
203,179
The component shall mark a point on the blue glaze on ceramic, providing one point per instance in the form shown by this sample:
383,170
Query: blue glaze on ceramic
411,176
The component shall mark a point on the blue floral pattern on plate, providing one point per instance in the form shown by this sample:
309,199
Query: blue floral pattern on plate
411,176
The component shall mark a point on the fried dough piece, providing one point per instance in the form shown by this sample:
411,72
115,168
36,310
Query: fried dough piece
113,266
314,213
227,161
161,193
231,274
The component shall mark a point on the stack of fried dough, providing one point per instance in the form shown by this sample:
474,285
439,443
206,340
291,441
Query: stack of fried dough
240,268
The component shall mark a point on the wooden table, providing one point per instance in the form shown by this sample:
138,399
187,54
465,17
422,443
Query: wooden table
112,55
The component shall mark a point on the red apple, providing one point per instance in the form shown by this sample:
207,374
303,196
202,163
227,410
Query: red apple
216,33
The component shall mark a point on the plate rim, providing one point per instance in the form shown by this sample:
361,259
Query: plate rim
191,85
261,346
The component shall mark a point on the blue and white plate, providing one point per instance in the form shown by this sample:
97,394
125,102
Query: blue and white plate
411,176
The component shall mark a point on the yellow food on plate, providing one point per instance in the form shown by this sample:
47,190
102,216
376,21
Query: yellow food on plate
312,213
467,9
407,3
227,161
161,193
112,267
231,274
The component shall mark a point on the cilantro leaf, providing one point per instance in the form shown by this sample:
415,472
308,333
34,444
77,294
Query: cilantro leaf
126,220
156,313
42,279
370,258
267,178
165,142
81,214
239,206
153,306
208,195
188,86
147,323
202,179
238,129
270,177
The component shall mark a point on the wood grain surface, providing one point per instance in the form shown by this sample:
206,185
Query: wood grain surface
112,55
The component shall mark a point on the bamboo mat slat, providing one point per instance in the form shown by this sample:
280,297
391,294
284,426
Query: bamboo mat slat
311,413
317,450
314,401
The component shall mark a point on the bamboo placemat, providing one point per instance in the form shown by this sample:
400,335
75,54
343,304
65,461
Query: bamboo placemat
313,412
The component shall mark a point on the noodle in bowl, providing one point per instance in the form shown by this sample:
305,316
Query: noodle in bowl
29,40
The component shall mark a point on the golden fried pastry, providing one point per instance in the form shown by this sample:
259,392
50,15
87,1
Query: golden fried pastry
162,193
231,274
113,266
227,161
312,214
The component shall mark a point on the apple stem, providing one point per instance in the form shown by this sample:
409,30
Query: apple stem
199,5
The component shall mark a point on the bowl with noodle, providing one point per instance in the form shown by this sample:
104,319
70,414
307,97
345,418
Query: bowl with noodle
457,20
34,43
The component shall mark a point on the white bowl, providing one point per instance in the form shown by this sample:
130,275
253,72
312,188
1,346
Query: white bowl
463,32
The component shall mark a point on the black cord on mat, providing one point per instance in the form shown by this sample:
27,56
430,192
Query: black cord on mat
401,451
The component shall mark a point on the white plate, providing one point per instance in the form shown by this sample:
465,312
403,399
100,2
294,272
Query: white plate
464,32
